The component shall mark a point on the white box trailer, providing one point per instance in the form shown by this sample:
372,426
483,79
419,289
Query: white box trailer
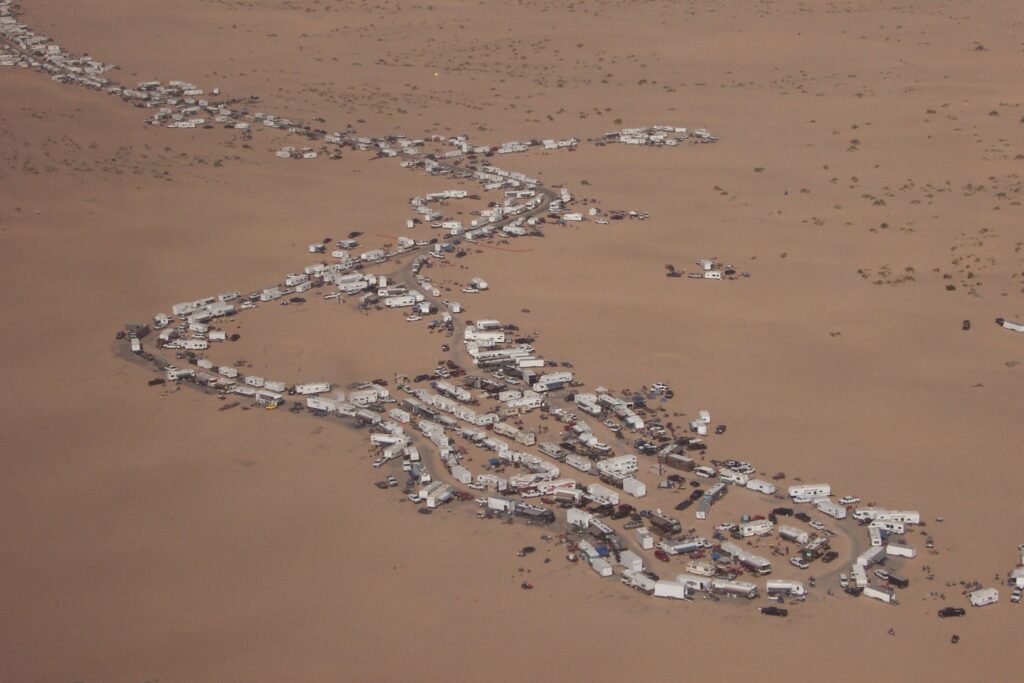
645,539
601,567
671,589
462,475
871,556
781,587
885,596
831,509
501,504
875,536
900,550
227,371
274,386
320,403
634,487
761,486
984,596
630,560
253,381
807,492
312,388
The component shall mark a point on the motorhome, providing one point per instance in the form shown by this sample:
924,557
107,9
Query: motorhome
760,527
781,587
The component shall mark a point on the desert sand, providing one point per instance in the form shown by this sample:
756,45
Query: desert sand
867,152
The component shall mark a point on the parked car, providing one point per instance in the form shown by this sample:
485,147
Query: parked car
798,562
661,555
696,494
803,517
772,611
951,612
830,556
783,512
683,505
720,429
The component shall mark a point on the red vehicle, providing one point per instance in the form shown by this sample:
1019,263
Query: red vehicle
661,555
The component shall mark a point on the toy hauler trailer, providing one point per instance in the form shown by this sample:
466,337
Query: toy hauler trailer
831,509
731,477
760,486
268,398
984,596
891,527
779,587
684,547
638,580
312,388
694,581
904,516
805,493
760,527
793,535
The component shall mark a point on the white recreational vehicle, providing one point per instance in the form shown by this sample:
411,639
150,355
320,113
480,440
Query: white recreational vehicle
805,493
984,596
312,388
